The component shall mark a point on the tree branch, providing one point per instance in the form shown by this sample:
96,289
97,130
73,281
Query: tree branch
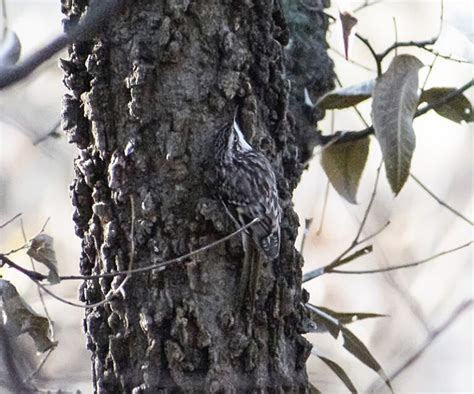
434,334
38,277
93,21
439,201
347,136
10,220
397,267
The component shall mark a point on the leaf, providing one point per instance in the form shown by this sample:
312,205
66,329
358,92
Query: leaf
10,49
349,317
341,374
348,96
41,249
357,348
344,163
457,109
394,104
327,320
324,322
348,22
19,318
313,389
354,345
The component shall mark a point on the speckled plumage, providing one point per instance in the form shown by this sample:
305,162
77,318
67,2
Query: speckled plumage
247,186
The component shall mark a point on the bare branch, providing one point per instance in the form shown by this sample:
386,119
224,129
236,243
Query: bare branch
307,224
366,5
445,99
369,206
352,61
33,275
430,70
165,263
397,267
358,253
40,366
52,133
346,136
10,220
458,312
38,277
94,19
339,260
323,213
439,201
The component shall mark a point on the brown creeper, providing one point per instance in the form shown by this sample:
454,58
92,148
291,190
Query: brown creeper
246,185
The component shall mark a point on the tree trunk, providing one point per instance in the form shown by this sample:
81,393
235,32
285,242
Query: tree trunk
148,95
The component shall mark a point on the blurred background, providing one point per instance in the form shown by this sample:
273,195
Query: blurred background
35,176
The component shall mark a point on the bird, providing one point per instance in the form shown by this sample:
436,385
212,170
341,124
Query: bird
246,184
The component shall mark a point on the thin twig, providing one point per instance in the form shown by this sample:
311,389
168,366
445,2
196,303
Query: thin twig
40,366
37,276
307,224
339,260
10,220
323,213
95,18
40,294
339,53
458,312
378,61
369,206
112,292
417,44
374,234
33,275
396,34
445,99
5,19
358,253
24,246
365,5
439,201
346,136
354,107
52,133
401,266
430,69
165,263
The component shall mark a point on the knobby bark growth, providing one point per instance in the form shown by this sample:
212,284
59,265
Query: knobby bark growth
147,96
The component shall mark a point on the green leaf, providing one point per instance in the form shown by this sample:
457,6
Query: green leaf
357,348
394,104
341,374
344,164
348,96
20,318
354,345
457,109
313,389
349,317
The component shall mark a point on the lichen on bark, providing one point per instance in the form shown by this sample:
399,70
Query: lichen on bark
147,96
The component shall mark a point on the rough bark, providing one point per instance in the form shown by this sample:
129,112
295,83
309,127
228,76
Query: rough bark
147,96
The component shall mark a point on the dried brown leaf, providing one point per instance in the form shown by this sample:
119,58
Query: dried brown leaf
41,249
19,318
394,104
